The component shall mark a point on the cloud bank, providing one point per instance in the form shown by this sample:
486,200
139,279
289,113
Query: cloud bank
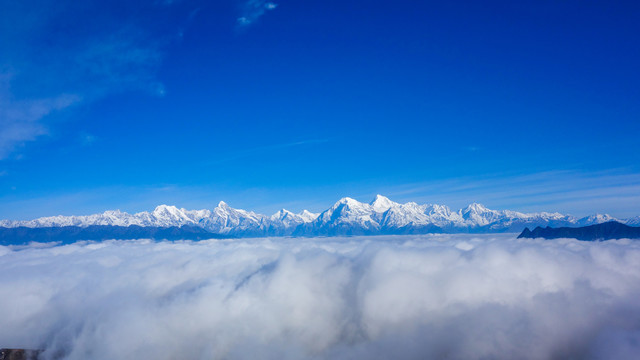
435,296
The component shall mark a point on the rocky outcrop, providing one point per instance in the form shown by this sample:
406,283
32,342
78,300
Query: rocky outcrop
19,354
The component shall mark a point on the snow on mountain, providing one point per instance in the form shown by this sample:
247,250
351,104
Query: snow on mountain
107,218
595,219
478,215
346,217
289,219
402,215
166,216
381,204
308,216
383,216
226,220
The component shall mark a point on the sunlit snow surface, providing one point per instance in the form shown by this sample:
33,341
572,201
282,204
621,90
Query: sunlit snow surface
384,297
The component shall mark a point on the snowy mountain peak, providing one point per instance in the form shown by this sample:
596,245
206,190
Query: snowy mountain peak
596,219
381,203
282,214
435,209
163,209
347,203
348,200
167,215
308,216
347,216
475,208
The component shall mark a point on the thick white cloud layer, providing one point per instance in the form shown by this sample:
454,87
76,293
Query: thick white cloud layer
433,296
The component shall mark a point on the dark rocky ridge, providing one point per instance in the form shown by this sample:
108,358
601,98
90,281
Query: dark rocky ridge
19,354
70,234
606,231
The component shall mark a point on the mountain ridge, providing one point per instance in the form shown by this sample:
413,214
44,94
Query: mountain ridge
68,234
345,217
603,231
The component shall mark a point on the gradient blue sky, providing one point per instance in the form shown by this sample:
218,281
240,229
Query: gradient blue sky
523,105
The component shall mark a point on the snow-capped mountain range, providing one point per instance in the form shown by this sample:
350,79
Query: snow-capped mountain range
345,217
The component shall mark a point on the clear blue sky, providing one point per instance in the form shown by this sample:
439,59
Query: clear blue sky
524,105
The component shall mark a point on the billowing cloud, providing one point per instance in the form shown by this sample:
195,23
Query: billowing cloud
432,296
254,9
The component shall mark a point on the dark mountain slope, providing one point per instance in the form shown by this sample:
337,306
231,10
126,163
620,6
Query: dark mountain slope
70,234
606,231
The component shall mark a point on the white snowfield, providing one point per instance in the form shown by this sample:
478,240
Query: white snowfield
347,216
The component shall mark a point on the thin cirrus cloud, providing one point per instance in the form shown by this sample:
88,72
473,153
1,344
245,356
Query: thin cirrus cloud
83,63
569,192
253,10
577,192
121,61
418,297
21,119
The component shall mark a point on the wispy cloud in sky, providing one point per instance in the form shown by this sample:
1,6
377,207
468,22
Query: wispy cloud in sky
121,61
80,64
573,193
614,191
21,119
87,139
253,10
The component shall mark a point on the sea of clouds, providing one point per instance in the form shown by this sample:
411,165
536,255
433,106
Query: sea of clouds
395,297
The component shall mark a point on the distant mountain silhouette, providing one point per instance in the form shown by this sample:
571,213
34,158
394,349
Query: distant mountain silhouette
69,234
606,231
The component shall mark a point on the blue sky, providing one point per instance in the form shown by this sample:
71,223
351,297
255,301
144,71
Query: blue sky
528,105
